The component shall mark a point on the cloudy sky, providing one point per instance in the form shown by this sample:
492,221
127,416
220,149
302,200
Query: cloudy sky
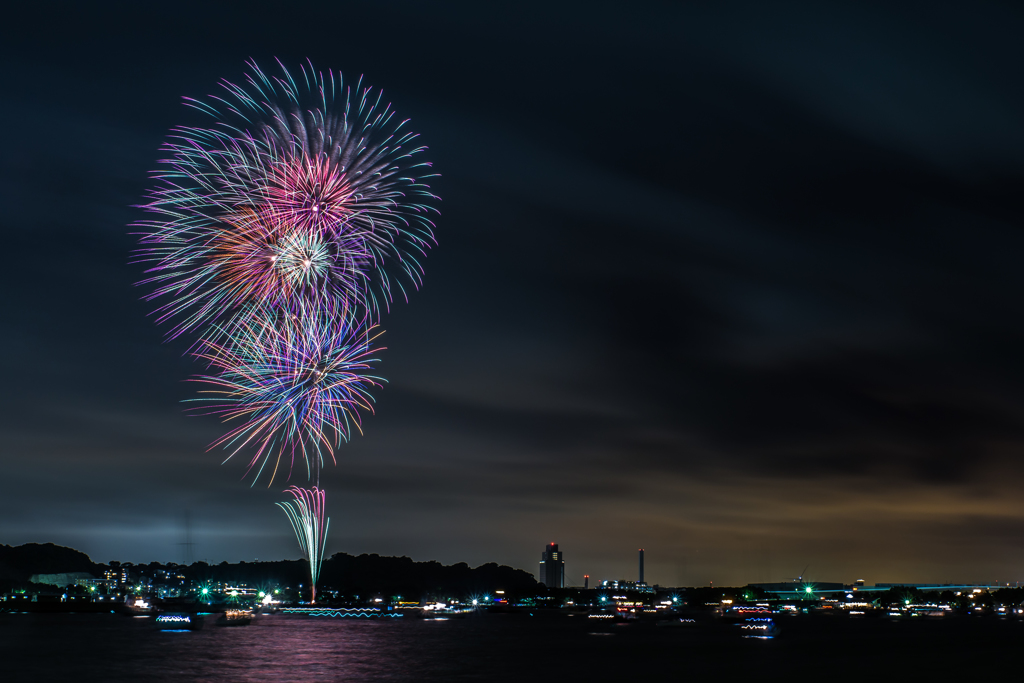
736,284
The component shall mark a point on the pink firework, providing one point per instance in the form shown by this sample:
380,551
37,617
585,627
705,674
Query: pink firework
296,197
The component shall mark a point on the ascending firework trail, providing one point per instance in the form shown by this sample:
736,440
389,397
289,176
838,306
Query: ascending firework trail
278,234
306,513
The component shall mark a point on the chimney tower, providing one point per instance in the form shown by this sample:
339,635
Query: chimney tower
641,565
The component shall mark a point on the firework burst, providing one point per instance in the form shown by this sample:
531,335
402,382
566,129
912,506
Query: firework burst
279,269
307,514
297,390
297,197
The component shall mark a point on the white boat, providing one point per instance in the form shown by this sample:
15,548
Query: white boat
178,621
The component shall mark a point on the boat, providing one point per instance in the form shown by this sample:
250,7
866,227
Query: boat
443,614
138,608
760,628
681,622
178,621
440,611
235,617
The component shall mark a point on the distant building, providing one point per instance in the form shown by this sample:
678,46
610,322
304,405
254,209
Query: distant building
638,586
116,576
797,589
66,579
165,591
552,567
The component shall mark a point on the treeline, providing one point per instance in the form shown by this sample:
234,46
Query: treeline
373,574
703,596
347,574
401,576
967,599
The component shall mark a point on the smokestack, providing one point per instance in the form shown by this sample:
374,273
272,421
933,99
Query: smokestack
641,565
586,581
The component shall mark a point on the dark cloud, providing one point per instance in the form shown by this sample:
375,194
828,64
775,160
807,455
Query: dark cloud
735,282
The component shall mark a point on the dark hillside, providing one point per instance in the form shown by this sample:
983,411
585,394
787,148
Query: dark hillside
401,576
20,562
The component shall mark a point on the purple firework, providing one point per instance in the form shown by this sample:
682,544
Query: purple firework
304,193
295,390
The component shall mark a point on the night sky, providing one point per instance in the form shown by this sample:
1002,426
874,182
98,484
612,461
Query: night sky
736,284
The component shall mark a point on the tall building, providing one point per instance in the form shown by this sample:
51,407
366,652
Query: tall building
552,567
641,580
116,576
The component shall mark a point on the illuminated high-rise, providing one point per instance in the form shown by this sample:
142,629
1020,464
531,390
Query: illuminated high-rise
552,567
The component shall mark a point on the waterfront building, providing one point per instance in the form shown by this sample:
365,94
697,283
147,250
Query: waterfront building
800,589
64,579
116,576
552,567
638,586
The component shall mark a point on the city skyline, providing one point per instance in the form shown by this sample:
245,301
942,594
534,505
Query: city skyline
629,576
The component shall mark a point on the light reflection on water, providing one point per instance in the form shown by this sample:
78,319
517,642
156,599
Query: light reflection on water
272,648
84,648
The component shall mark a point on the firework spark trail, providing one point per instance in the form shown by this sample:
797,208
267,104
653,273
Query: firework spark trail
276,236
298,389
294,197
307,516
